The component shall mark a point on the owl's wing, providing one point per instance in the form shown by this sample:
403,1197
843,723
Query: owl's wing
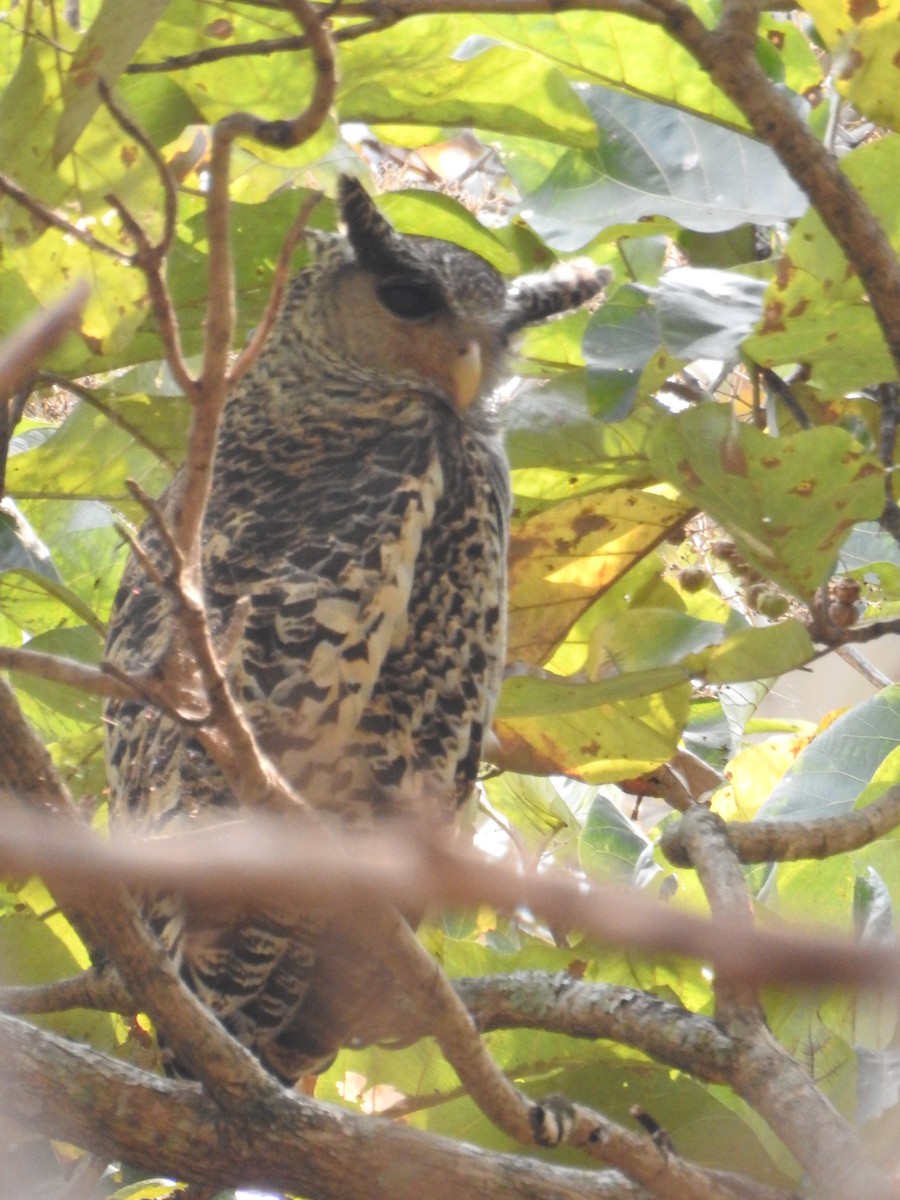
319,623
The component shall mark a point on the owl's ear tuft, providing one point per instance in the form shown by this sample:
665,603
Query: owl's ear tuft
531,299
374,242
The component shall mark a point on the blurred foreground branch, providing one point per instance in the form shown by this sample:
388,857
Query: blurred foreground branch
238,861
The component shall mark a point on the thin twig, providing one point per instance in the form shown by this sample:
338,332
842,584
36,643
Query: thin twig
67,671
450,1023
89,396
287,133
170,198
149,260
104,992
703,837
280,276
867,669
48,217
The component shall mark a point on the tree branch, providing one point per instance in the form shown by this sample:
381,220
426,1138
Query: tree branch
289,1144
240,860
22,350
788,841
108,920
762,1070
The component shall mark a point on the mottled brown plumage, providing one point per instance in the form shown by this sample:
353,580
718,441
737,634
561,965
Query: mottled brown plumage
354,563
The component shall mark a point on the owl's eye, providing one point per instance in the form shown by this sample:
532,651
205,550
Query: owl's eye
410,301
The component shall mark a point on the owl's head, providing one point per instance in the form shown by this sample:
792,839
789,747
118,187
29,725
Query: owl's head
421,310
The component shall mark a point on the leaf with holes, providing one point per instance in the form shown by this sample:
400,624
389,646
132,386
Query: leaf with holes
600,732
788,502
564,558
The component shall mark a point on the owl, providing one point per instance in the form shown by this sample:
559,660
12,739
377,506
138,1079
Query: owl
354,555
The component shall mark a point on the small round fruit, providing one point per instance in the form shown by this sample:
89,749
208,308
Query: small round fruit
771,604
692,579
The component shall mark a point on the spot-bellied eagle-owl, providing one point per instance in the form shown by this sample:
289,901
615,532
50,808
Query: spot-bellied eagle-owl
354,572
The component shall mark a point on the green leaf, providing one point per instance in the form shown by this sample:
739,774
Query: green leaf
410,77
624,353
87,549
610,845
532,805
599,732
430,213
558,448
91,456
759,653
829,776
817,313
31,953
705,313
656,161
103,53
565,557
788,502
58,599
104,160
645,638
865,42
80,642
619,50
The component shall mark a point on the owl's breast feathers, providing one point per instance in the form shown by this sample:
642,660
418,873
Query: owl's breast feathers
372,646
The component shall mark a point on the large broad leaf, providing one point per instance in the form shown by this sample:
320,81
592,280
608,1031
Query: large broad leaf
105,159
599,732
103,53
610,845
435,215
411,76
656,161
557,448
92,455
788,502
647,638
533,807
705,313
642,336
31,953
624,352
831,774
609,48
817,312
564,558
865,40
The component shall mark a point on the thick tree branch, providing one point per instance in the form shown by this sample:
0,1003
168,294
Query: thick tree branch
704,839
288,1144
562,1004
762,1071
788,841
729,58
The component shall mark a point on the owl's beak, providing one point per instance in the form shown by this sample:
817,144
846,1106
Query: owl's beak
465,374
